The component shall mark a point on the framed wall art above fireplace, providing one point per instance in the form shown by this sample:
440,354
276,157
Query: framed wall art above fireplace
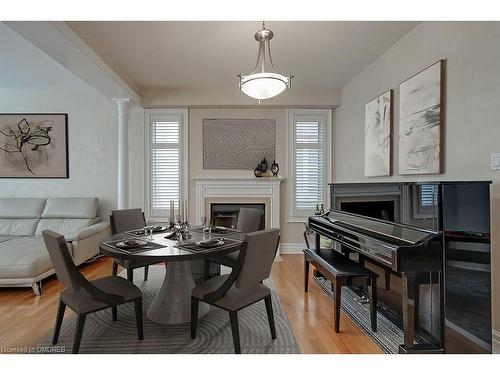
34,145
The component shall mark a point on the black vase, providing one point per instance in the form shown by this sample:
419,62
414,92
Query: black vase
275,168
263,166
257,172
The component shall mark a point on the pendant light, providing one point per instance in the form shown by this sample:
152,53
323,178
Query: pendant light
264,82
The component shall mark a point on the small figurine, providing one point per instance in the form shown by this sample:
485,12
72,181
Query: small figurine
275,168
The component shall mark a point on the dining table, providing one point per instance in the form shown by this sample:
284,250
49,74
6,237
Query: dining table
172,304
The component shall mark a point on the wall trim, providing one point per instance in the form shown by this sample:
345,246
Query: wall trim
291,248
495,342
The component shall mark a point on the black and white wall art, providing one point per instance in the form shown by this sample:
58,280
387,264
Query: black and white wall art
238,143
378,125
34,145
421,117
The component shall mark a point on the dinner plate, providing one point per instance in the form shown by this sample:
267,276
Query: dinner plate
159,229
217,229
209,245
129,244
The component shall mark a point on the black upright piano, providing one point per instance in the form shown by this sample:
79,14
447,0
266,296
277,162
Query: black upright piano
431,242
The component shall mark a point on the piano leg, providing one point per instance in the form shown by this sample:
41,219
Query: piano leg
408,309
372,295
387,275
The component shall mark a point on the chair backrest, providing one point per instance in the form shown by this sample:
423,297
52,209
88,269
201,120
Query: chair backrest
122,220
65,268
249,220
260,251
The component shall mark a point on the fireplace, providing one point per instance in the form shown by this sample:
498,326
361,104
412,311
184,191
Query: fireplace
226,214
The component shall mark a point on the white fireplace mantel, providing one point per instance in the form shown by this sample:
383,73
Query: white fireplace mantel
239,187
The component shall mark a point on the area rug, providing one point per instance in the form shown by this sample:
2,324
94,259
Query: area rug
389,333
102,335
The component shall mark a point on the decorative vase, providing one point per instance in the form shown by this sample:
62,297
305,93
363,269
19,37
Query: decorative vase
275,168
263,166
257,172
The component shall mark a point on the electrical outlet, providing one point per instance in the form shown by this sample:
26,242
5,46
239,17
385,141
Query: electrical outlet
495,162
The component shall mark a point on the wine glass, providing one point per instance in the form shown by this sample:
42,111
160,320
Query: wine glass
150,225
204,222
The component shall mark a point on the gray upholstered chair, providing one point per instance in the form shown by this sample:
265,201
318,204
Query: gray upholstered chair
85,297
121,221
243,286
248,221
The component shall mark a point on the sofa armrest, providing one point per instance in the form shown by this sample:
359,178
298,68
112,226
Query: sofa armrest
87,231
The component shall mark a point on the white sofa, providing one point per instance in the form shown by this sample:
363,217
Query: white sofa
24,260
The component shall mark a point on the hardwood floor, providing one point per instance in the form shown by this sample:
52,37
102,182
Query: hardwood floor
26,319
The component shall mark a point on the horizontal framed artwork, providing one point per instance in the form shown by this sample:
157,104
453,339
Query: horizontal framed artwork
238,143
34,145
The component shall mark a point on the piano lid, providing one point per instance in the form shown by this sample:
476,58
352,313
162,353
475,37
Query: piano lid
395,233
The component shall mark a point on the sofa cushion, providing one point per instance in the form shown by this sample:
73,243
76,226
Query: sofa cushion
77,208
63,226
23,257
18,227
21,208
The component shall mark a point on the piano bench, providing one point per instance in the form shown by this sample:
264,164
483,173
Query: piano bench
341,270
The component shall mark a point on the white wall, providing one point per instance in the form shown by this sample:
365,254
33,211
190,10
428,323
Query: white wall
472,110
32,82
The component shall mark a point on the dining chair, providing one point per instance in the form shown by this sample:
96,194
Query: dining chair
121,221
84,296
243,286
248,221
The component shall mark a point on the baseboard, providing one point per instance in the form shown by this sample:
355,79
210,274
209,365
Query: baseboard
495,342
291,248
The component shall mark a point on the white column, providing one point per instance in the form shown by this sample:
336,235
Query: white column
123,106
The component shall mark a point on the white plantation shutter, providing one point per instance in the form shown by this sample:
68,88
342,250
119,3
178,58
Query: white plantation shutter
310,160
166,133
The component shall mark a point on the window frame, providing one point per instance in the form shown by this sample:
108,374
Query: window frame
183,153
294,115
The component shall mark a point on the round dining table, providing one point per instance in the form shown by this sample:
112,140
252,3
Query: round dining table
172,304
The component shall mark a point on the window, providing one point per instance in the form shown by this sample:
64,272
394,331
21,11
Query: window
166,160
425,201
308,161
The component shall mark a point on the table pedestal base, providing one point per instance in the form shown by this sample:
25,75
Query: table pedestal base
172,305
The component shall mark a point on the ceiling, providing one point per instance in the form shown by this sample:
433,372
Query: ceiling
204,55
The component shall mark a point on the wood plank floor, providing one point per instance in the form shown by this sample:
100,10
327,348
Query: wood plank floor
26,319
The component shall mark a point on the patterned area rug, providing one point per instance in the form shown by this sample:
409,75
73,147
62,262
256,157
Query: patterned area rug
389,333
102,335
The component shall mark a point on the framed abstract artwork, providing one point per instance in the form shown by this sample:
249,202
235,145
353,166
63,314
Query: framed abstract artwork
34,145
378,130
238,143
421,120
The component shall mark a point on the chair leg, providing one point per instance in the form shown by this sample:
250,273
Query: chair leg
372,295
336,309
59,320
114,268
130,275
207,269
146,272
306,275
80,323
138,318
233,316
114,313
195,303
270,315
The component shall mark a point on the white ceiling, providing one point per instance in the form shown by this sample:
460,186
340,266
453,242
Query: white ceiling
210,54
